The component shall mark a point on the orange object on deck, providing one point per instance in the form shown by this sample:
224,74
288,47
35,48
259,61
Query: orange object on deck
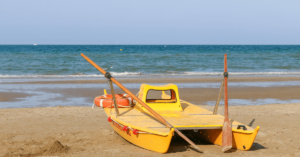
106,101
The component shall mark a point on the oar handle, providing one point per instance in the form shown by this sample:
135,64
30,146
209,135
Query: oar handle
94,64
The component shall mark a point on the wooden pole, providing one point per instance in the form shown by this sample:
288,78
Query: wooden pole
226,131
219,97
114,97
160,118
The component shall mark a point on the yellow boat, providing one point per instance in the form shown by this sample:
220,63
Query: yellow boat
151,121
138,126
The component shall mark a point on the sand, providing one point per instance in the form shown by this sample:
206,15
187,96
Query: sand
81,131
86,132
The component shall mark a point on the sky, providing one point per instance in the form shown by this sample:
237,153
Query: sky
198,22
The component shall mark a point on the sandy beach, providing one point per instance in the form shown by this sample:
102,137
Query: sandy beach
86,132
80,131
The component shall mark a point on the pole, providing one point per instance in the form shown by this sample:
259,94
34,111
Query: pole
219,97
114,97
160,118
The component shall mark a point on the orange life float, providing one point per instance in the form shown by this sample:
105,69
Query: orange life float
106,101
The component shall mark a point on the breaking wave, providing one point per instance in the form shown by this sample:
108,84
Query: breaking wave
136,74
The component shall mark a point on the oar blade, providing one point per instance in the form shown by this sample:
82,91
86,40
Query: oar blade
226,135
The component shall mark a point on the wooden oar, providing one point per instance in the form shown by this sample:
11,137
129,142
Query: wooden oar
160,118
226,131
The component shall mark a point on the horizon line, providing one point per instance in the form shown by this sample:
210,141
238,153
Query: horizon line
152,44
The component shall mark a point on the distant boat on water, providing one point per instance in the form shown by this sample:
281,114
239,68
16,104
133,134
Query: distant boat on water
34,44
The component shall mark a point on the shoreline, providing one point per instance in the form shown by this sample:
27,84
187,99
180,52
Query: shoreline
49,95
162,80
243,91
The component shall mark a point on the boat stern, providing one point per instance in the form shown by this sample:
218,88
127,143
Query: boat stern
241,139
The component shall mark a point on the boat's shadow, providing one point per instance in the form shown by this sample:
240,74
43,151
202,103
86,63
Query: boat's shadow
257,146
180,145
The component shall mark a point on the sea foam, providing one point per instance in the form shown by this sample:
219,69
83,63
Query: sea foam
135,74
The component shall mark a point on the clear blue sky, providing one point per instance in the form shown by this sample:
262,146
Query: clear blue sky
149,22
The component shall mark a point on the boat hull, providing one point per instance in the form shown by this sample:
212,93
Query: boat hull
148,141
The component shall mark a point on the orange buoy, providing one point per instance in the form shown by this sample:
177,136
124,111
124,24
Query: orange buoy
106,101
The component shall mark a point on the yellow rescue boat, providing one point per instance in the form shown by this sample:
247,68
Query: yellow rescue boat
141,128
158,112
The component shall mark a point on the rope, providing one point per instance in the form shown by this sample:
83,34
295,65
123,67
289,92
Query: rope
140,132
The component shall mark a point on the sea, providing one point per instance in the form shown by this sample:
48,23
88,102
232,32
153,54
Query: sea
23,63
136,61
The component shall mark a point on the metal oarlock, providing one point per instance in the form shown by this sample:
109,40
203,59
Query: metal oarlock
225,74
108,75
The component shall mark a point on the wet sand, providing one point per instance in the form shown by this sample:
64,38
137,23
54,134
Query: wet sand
198,96
12,96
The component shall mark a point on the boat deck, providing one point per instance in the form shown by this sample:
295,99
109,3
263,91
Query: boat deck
192,118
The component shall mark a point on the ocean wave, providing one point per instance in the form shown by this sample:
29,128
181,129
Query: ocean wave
221,73
133,74
125,73
76,75
48,76
239,73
